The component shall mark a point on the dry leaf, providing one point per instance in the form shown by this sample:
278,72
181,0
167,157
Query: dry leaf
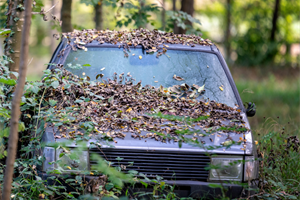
178,78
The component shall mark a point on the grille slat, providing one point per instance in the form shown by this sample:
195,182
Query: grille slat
156,165
156,158
169,165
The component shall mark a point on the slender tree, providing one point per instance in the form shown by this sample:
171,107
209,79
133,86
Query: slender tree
66,16
141,14
175,29
99,15
15,20
274,20
51,31
15,112
188,7
163,15
227,30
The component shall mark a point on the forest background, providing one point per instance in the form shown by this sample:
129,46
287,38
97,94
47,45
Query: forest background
260,40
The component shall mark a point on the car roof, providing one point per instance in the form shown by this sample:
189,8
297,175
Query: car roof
196,47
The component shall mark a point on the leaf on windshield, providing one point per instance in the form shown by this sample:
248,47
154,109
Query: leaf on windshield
161,88
184,87
99,75
174,89
221,88
118,106
200,89
178,78
86,65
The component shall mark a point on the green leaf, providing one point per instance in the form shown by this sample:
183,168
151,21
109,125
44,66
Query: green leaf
21,126
10,82
35,89
52,102
5,31
145,184
214,185
109,186
78,101
86,65
99,97
180,143
55,84
119,159
4,132
110,99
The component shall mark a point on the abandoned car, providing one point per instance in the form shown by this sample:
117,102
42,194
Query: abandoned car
143,90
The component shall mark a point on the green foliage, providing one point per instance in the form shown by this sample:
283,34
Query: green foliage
251,25
280,166
138,13
3,9
182,20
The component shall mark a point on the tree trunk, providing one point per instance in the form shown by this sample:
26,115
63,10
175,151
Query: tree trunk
274,20
175,29
12,44
65,16
99,16
15,112
163,15
142,4
188,7
52,31
227,32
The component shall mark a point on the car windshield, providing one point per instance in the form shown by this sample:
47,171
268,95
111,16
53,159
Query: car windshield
199,68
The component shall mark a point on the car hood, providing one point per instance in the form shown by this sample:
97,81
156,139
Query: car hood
212,143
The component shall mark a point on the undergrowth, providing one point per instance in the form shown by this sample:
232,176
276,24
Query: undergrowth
279,153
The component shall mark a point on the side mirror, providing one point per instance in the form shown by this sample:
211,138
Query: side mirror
251,110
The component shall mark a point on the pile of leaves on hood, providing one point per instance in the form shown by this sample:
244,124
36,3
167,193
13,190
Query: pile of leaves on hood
116,107
152,41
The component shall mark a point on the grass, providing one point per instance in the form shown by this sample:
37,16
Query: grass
275,98
279,166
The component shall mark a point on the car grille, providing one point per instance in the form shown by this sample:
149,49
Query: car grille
169,165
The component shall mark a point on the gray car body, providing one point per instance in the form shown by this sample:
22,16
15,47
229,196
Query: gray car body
244,149
128,142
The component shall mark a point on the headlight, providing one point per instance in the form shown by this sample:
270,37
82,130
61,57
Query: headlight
227,168
251,168
71,160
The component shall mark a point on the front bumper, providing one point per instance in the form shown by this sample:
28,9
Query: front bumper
194,189
199,190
